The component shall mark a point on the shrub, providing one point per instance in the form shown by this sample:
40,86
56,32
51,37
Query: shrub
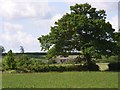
23,69
114,66
9,61
26,64
44,68
47,68
74,68
56,68
52,61
53,68
61,69
107,59
90,66
22,60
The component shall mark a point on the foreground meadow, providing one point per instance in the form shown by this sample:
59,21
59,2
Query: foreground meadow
61,80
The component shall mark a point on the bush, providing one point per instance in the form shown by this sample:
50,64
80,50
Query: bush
52,61
108,59
61,69
47,68
114,66
8,62
90,67
74,68
53,68
43,68
22,60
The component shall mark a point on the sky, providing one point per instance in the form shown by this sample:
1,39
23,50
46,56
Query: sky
22,22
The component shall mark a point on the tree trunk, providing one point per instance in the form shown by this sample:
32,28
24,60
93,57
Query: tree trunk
88,58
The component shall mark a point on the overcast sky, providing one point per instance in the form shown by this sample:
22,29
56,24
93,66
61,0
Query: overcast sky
23,21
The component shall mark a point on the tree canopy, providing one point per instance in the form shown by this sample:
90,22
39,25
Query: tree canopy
84,29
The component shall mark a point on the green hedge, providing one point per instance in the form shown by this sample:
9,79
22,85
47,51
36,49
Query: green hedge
91,67
51,68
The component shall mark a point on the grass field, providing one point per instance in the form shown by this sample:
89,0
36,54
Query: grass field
61,80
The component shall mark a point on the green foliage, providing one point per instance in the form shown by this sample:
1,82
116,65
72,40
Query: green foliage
83,29
91,66
8,61
52,68
22,60
74,68
52,61
108,59
26,64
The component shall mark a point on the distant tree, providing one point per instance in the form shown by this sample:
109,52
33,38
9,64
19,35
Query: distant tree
84,29
21,49
8,61
2,49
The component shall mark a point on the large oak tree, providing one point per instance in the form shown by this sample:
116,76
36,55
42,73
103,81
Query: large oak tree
84,29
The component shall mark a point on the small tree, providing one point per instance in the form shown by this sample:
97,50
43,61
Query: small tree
21,49
84,29
8,61
2,49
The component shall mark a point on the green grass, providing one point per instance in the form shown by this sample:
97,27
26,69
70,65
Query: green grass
61,80
0,80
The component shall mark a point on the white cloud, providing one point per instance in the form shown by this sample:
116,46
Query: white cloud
26,10
45,25
8,27
14,34
10,31
99,4
10,9
89,0
7,9
107,6
27,0
13,37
